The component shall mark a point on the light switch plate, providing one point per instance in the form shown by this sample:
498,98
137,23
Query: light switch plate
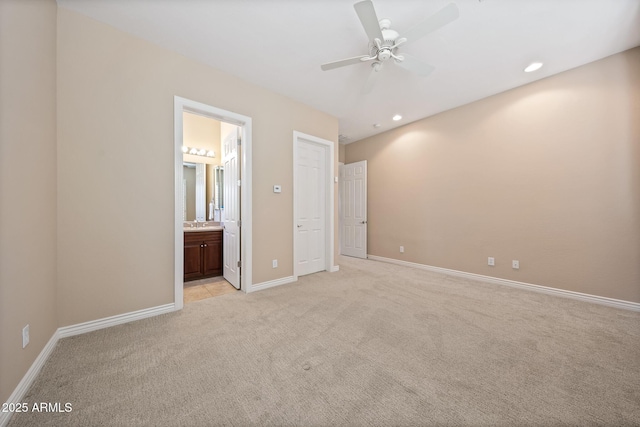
25,336
277,189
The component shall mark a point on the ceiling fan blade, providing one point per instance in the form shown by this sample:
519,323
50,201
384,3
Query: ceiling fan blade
447,14
343,62
369,19
373,77
415,65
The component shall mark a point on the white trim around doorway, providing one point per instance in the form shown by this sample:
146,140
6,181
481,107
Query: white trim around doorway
181,105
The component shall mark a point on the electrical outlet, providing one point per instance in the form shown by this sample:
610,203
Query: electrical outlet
401,249
274,263
515,264
25,336
491,261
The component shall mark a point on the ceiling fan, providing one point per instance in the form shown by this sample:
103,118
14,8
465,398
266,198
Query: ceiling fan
385,42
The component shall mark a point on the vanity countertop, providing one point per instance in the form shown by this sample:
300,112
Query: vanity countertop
207,228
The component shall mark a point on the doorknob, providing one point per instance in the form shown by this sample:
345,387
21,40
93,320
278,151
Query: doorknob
363,222
299,226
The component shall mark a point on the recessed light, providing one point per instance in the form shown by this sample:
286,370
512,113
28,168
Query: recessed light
534,66
397,117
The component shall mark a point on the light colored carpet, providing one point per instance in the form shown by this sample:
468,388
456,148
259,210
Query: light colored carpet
373,344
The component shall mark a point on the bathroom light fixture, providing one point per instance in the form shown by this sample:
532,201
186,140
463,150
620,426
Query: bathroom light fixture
397,117
534,66
198,151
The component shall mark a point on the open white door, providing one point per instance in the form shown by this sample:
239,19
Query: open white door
231,215
353,201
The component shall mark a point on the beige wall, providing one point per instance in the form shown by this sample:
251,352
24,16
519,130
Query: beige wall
225,130
548,174
189,177
341,153
27,184
115,149
210,190
201,132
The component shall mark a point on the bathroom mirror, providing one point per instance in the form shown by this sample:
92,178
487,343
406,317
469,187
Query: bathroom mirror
202,191
194,191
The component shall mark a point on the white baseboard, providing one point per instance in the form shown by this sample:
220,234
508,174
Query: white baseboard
67,331
282,281
106,322
612,302
29,377
272,283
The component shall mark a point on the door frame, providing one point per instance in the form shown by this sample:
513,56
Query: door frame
181,105
329,195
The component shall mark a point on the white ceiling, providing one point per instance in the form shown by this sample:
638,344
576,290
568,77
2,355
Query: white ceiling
280,45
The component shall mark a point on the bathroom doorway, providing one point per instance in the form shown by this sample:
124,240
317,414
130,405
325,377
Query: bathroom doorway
230,213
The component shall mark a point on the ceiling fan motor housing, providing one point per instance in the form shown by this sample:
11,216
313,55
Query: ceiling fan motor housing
386,45
390,37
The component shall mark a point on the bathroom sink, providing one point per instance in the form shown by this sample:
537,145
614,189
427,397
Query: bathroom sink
207,228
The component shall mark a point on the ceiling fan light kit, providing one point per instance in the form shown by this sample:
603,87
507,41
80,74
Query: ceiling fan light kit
385,42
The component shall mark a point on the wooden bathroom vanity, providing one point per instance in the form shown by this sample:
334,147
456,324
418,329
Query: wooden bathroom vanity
202,254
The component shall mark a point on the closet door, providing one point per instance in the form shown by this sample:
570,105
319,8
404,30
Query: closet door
310,199
353,202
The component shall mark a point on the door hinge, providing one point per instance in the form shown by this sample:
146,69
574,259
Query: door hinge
239,264
239,141
239,182
240,223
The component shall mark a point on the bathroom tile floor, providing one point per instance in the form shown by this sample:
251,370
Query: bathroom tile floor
206,288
